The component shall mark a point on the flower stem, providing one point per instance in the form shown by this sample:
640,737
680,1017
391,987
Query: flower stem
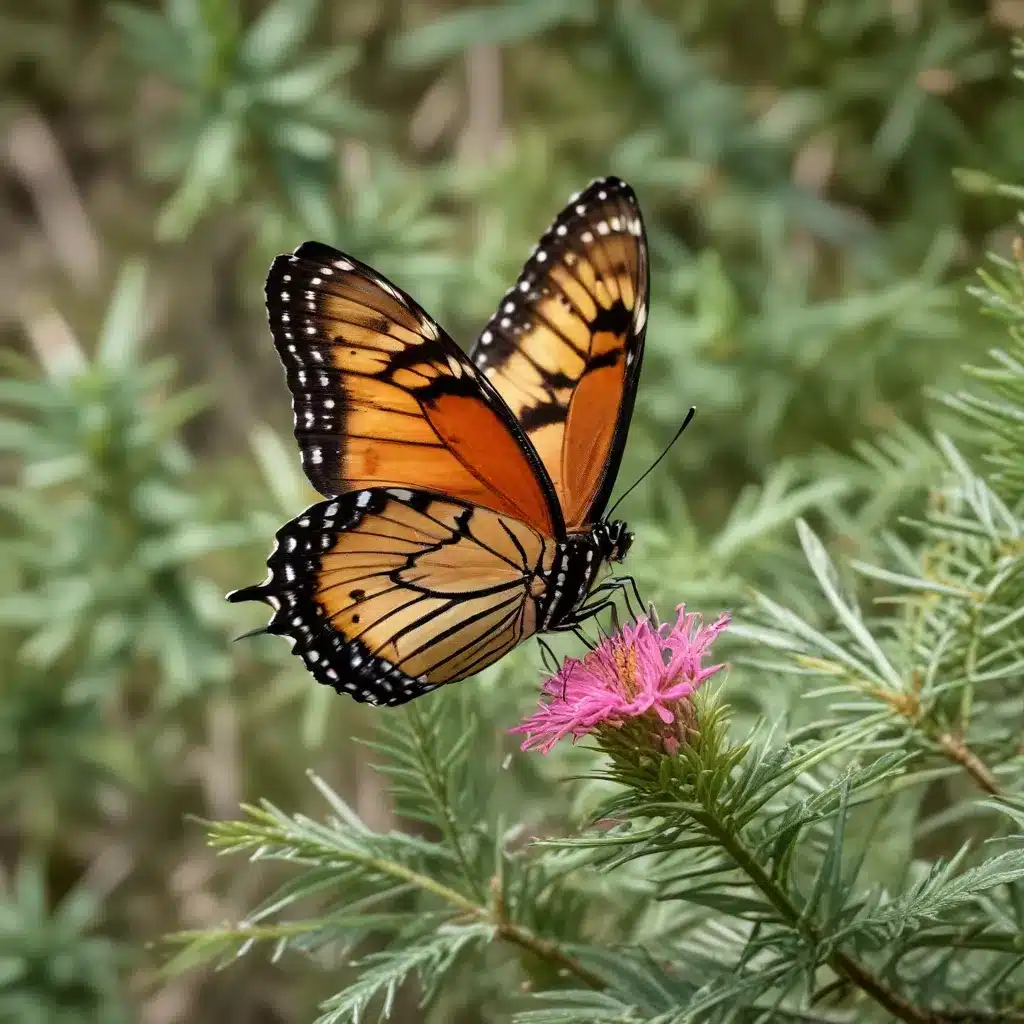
843,964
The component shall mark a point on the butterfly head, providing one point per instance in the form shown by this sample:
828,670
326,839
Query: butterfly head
616,540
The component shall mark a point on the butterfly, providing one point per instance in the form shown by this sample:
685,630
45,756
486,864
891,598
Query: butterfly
465,495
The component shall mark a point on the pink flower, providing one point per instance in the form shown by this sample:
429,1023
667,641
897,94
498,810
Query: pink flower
644,673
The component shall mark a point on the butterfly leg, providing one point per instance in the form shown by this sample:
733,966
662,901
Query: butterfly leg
605,594
548,656
589,612
627,585
580,635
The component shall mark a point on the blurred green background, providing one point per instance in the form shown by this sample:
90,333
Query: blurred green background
816,176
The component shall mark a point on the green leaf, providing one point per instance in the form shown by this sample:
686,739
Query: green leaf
825,572
448,35
276,35
381,974
121,333
212,161
301,86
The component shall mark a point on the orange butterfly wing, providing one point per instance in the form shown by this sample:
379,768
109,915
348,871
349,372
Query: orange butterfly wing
389,593
565,347
384,398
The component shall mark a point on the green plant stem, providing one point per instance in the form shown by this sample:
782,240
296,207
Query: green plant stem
507,930
843,964
956,750
547,950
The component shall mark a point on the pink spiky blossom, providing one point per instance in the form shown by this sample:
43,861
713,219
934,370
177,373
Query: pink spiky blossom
644,674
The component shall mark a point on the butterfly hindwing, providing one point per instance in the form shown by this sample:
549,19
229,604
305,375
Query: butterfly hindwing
384,398
389,593
565,346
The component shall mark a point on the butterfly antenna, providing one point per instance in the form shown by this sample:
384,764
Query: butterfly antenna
643,476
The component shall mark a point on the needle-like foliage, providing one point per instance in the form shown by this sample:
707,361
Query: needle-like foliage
829,830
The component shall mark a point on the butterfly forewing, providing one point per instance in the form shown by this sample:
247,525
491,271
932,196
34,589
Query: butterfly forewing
565,347
384,398
388,593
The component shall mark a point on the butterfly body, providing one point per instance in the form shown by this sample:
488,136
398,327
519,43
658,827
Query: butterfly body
464,495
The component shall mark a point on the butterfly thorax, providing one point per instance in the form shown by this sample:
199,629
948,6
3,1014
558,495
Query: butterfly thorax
579,564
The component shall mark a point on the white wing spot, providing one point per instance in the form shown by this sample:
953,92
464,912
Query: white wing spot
641,317
587,237
401,493
329,403
524,286
561,230
505,322
429,328
314,282
510,307
363,499
486,338
602,195
285,296
311,329
541,256
286,278
344,265
581,209
602,228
